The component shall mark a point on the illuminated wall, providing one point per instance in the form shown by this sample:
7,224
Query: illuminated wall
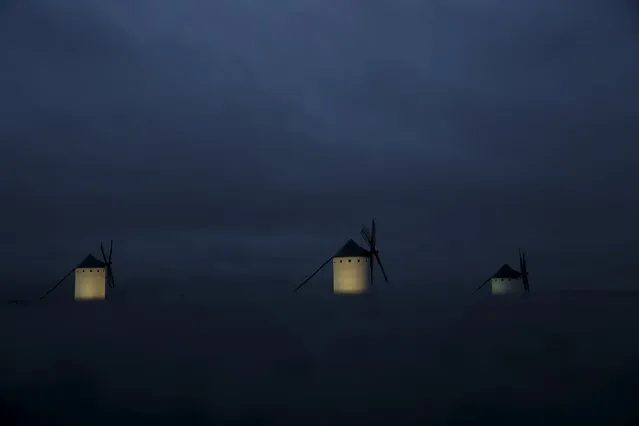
507,285
90,284
350,275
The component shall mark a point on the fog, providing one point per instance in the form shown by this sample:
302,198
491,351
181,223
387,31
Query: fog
265,134
312,358
229,147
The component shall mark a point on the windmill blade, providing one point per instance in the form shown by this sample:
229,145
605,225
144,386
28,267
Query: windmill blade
521,263
56,284
104,258
484,283
374,234
371,266
367,235
110,278
379,261
524,270
313,274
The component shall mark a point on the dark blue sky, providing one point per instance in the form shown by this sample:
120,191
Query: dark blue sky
210,137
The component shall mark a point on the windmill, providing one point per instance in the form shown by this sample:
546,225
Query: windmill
91,277
353,265
507,280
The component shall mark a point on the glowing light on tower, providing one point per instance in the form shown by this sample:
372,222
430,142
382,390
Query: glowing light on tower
90,280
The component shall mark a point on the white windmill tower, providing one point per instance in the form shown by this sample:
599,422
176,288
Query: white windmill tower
91,277
353,265
507,280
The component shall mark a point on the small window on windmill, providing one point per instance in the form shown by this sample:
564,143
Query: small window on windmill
90,270
358,260
340,261
349,260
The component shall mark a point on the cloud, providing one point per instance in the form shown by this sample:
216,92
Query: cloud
464,129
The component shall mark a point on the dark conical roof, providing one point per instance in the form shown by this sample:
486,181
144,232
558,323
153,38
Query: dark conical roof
90,262
351,249
506,272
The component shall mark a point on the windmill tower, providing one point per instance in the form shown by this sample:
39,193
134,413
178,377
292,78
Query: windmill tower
353,265
509,281
91,277
351,269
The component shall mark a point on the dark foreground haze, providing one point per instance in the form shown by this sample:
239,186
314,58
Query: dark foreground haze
387,359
